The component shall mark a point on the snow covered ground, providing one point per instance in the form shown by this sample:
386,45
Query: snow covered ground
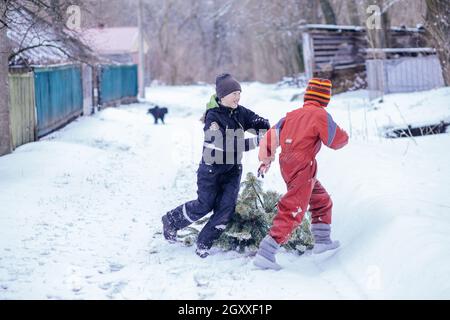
80,210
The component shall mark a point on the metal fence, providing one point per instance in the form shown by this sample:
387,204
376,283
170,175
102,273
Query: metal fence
48,98
117,82
59,96
406,74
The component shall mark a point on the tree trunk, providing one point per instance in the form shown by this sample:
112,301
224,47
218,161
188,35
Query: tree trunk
312,9
328,12
438,29
56,15
5,126
380,37
353,12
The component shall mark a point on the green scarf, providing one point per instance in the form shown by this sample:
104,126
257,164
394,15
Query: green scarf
212,103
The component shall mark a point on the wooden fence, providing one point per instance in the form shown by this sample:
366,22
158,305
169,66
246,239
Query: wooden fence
43,99
22,106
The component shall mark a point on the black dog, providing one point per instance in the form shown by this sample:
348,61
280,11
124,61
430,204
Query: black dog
158,113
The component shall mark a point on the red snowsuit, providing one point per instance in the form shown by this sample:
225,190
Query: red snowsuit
300,135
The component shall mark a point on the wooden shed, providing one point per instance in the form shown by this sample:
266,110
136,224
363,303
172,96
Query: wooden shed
340,52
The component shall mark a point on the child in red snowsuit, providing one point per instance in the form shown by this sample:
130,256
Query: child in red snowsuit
300,135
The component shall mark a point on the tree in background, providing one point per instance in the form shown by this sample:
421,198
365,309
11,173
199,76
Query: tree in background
5,50
353,12
438,28
194,40
378,36
34,14
328,12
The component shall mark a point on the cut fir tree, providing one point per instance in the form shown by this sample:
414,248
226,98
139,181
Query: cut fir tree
255,211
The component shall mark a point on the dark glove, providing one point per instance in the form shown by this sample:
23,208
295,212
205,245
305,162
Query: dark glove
261,123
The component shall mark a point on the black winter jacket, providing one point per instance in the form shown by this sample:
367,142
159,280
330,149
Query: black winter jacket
224,130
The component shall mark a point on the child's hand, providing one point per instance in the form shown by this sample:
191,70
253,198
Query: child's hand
262,170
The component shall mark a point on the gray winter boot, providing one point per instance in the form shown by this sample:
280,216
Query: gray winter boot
265,257
322,241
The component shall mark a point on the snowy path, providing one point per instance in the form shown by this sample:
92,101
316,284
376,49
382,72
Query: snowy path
89,225
81,209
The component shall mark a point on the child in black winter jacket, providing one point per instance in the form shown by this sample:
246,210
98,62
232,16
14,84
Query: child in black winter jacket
220,170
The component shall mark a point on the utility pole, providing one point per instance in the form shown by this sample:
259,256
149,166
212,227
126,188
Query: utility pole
141,69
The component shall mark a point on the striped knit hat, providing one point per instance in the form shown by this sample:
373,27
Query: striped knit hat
318,90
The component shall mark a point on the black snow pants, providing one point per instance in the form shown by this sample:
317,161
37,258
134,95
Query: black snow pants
218,189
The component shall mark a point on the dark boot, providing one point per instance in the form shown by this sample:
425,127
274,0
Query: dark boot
169,232
202,253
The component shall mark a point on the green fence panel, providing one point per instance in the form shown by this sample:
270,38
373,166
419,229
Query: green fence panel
59,96
117,82
22,103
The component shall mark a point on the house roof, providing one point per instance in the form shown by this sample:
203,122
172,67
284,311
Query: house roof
117,40
35,41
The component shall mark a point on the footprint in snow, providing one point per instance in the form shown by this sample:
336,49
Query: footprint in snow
114,267
117,289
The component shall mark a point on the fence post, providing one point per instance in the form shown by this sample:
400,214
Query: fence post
308,55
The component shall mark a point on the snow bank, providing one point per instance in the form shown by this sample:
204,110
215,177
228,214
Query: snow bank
81,209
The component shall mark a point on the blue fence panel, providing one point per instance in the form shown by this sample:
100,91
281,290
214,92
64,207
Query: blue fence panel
130,81
117,82
59,96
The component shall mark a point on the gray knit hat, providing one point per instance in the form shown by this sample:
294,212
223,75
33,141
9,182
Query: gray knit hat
226,84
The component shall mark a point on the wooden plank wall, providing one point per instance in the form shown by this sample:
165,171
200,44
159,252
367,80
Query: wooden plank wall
328,49
22,102
337,50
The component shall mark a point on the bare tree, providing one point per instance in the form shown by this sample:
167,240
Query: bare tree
42,24
5,126
328,12
193,40
379,36
353,12
312,9
438,26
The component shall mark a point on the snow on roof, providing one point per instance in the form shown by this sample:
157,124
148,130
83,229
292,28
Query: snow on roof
400,50
333,27
36,42
26,32
112,40
419,28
